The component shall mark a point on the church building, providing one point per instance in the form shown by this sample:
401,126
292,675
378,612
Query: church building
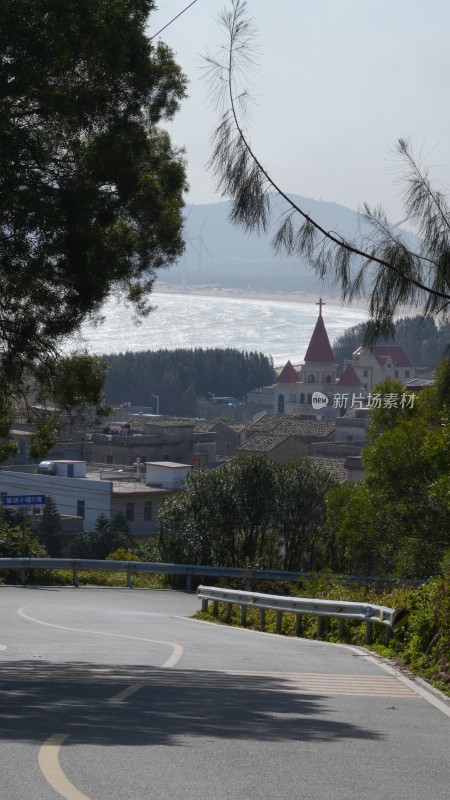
317,391
293,392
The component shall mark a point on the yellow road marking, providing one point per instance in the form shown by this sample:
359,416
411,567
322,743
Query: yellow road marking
121,696
49,752
51,769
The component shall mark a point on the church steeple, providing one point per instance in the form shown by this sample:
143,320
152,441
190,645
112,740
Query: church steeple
319,349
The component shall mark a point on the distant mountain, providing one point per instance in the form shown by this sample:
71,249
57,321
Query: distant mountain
220,253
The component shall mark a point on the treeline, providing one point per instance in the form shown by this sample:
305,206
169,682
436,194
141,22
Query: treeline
180,376
422,340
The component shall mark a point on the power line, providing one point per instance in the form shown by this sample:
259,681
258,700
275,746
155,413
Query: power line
172,20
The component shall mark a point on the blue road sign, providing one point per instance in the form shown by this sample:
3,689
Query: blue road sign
23,500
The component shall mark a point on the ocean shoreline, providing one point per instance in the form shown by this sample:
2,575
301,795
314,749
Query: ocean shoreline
209,290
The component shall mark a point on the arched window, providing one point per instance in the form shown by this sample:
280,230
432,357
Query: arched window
281,403
311,378
309,399
302,398
328,379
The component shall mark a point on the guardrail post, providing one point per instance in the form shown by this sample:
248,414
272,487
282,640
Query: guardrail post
228,612
23,576
243,615
75,576
388,635
368,636
215,608
262,617
278,622
298,625
129,576
341,628
204,605
189,583
320,626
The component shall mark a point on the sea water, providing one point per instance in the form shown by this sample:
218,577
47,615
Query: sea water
277,328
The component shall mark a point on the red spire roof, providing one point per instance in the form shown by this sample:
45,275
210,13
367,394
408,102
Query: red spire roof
319,349
288,374
349,377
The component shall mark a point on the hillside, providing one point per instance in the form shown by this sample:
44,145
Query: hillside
219,253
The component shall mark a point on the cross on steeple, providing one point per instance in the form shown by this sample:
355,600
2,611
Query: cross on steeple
320,304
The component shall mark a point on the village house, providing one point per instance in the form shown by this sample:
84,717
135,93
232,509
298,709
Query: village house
87,493
227,435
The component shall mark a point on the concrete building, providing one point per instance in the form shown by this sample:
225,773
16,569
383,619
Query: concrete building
147,437
87,493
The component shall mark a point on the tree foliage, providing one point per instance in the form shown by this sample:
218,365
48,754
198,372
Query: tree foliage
252,512
50,531
385,266
108,537
14,540
398,520
299,513
62,390
90,184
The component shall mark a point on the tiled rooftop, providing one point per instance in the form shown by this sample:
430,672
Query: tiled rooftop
292,425
335,466
262,443
336,449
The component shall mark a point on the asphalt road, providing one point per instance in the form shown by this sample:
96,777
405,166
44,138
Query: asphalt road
113,694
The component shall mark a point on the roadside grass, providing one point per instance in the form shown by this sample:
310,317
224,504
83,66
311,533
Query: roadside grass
64,577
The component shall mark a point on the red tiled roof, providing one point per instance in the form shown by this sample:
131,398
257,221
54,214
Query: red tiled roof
319,349
349,377
395,351
288,374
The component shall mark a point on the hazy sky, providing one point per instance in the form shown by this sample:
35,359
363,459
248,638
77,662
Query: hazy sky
338,84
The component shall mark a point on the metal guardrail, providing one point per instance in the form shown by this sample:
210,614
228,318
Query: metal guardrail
130,567
248,574
391,618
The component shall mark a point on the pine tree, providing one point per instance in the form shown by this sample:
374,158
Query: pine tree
385,266
50,529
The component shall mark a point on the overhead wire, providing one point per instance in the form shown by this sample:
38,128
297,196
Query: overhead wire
172,20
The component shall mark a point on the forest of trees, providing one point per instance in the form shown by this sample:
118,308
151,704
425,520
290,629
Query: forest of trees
178,377
423,341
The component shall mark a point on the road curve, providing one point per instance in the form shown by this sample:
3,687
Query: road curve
109,694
